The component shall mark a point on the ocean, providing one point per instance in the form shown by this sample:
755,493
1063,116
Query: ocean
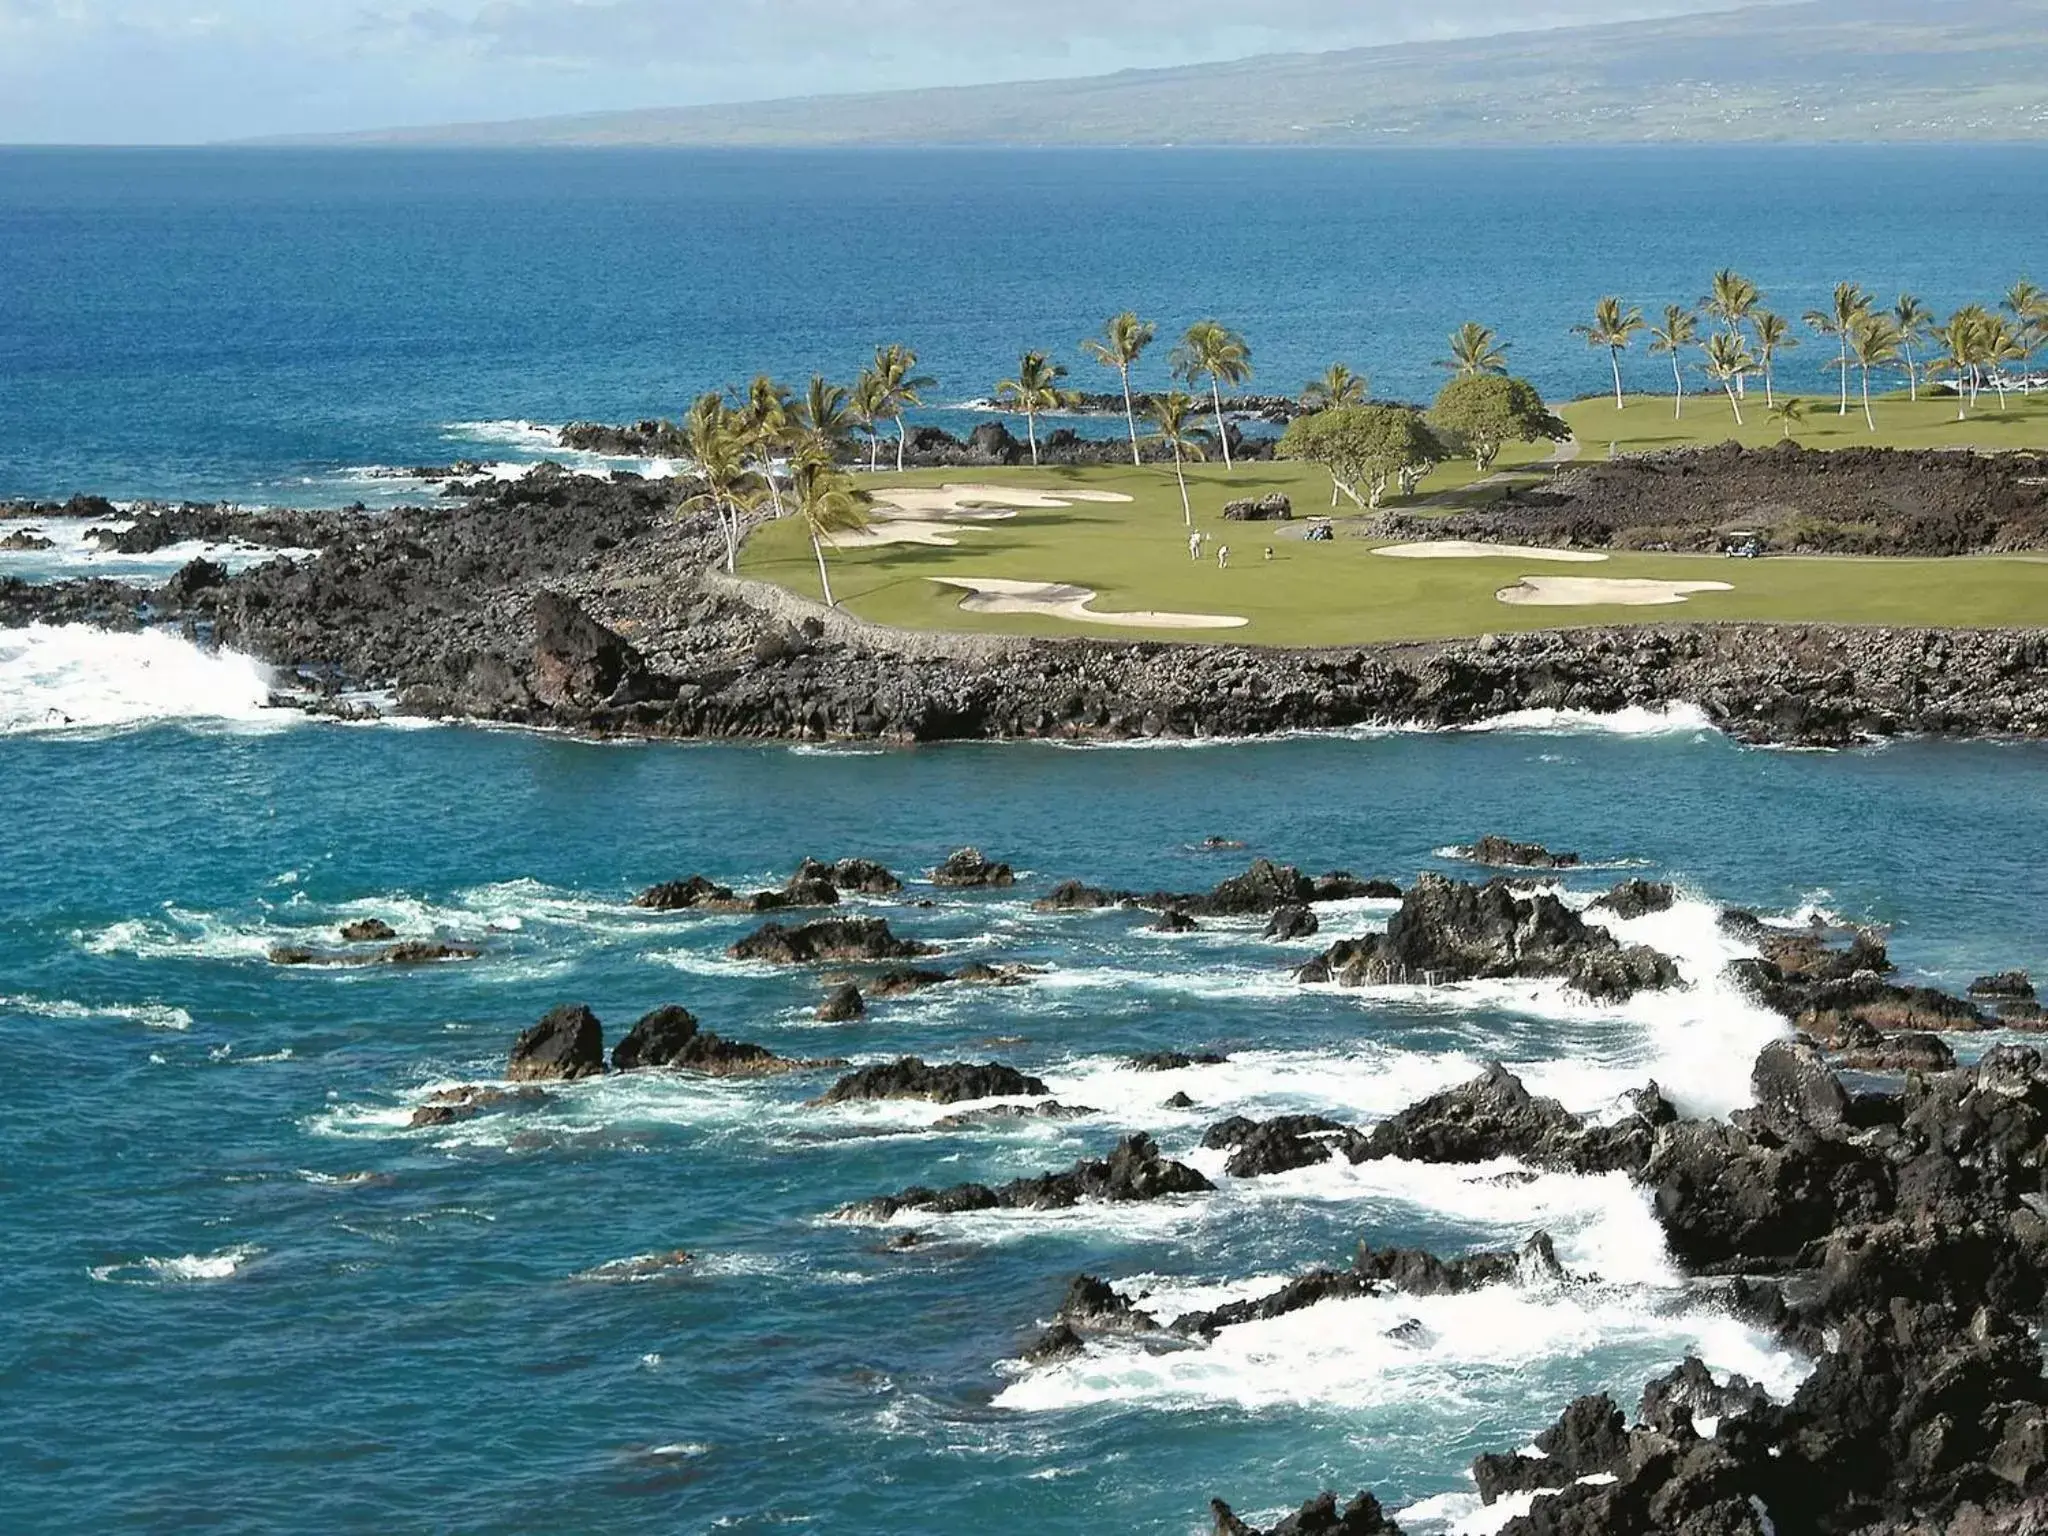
244,1293
293,326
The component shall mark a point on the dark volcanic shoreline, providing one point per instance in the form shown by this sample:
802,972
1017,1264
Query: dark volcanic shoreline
566,602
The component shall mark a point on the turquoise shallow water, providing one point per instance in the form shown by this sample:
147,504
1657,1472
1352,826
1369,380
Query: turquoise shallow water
242,1296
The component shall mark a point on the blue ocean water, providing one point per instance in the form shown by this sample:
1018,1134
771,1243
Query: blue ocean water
243,1295
269,325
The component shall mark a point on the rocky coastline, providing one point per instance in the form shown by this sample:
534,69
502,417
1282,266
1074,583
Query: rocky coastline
569,602
1890,1227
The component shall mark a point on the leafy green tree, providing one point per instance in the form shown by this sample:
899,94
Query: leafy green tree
717,440
903,390
1788,413
1482,412
1915,322
1034,391
1614,328
1122,342
868,405
1476,350
1338,387
1681,328
1364,445
1728,363
1211,350
1173,428
1773,335
827,503
1873,343
1851,305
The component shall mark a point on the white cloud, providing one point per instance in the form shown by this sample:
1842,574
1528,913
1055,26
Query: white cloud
173,70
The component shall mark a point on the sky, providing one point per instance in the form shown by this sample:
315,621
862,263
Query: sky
193,71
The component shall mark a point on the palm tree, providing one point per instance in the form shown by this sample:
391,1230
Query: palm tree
828,503
1612,328
1773,335
2027,303
1732,298
1728,363
1681,328
1873,343
1211,350
1173,425
1914,320
823,421
1961,352
2002,345
1122,342
1851,305
903,389
765,412
717,443
1476,349
1035,389
1338,387
1788,413
868,405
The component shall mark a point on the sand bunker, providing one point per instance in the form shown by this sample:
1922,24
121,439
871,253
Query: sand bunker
1468,549
897,530
1057,600
1595,591
982,501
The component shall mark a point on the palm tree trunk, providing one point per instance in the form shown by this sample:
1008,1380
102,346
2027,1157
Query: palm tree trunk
729,525
1912,374
1222,432
1614,356
1186,507
824,580
1872,420
1130,415
1031,431
902,441
1734,404
1770,389
874,451
1678,379
1845,372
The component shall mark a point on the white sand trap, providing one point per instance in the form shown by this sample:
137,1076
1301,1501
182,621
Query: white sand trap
1057,600
1599,591
985,501
1469,549
897,530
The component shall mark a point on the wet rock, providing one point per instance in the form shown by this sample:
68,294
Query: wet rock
2006,986
410,952
683,895
1864,1047
1280,1145
1492,1116
1057,1343
1320,1516
910,1078
864,877
656,1040
1796,1094
669,1038
1590,1439
1175,922
1675,1402
841,1005
567,1043
27,540
906,981
1632,899
1293,923
578,664
1340,885
639,1268
1450,931
967,869
451,1106
1134,1171
837,938
1215,844
1175,1061
1179,1101
979,973
1263,888
1095,1306
1011,1114
1505,853
1073,896
368,930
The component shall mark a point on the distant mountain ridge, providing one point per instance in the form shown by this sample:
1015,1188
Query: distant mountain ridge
1900,70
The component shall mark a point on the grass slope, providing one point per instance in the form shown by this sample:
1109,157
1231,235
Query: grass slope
1135,555
1647,423
1882,70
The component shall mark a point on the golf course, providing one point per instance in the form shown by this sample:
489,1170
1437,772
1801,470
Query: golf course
1007,552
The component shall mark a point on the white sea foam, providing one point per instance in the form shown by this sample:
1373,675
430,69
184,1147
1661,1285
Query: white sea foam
1636,720
74,677
149,1015
186,1269
71,553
